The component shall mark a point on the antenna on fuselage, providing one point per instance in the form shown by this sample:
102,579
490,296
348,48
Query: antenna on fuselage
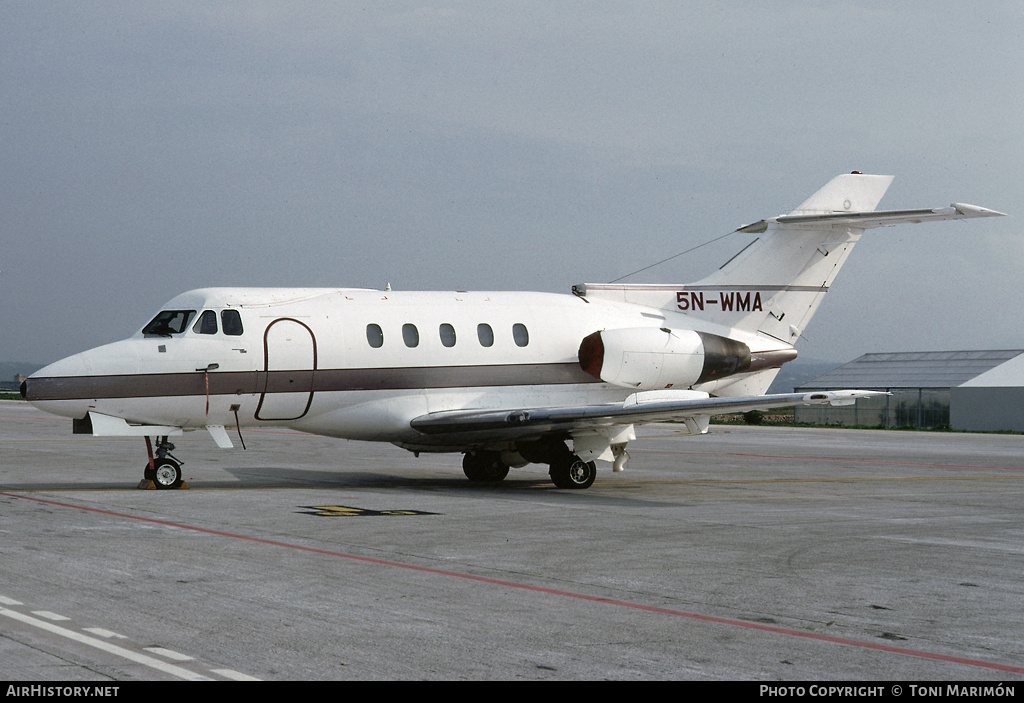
674,256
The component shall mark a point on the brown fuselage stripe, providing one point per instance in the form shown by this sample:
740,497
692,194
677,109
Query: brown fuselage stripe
319,380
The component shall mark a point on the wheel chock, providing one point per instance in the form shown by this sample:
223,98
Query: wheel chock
148,485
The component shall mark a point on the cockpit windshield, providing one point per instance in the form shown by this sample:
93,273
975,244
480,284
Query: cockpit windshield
169,322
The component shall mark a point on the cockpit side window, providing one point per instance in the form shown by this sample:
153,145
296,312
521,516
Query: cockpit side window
169,322
207,323
231,322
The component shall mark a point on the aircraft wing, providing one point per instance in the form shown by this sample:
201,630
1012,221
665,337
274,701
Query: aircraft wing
639,408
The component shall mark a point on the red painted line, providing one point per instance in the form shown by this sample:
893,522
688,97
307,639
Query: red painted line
549,591
830,458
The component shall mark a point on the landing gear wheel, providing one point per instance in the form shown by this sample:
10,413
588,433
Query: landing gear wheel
164,470
166,474
484,467
573,472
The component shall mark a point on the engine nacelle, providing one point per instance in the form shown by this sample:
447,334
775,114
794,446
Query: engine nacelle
650,357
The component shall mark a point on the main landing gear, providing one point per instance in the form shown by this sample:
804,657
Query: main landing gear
566,469
484,467
164,470
572,472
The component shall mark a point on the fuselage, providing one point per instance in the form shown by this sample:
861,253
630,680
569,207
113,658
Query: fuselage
351,363
506,378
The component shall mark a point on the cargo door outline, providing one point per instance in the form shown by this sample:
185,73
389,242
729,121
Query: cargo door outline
290,357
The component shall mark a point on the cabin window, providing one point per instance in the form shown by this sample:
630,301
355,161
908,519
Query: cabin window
411,335
520,334
485,334
374,335
169,322
231,322
447,335
206,324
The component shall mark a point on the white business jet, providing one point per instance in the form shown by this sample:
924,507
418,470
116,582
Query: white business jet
506,378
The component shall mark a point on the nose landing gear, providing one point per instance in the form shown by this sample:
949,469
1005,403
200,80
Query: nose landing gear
164,469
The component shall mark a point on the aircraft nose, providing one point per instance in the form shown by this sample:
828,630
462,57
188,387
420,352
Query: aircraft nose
71,386
54,380
62,388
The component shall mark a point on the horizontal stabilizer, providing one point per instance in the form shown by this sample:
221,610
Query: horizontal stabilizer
869,220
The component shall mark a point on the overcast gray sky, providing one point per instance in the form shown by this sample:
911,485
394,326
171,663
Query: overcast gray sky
147,148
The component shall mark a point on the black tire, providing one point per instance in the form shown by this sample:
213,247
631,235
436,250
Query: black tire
573,472
166,474
484,467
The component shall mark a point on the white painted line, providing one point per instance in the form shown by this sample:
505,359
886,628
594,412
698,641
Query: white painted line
100,632
169,653
143,659
9,601
49,615
234,675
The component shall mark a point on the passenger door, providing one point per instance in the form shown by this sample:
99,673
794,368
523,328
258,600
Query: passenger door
287,384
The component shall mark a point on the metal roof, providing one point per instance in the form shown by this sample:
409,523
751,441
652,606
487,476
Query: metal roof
911,370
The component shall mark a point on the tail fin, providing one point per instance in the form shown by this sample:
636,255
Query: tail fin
775,284
848,192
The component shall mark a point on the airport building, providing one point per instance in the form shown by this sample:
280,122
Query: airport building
966,390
